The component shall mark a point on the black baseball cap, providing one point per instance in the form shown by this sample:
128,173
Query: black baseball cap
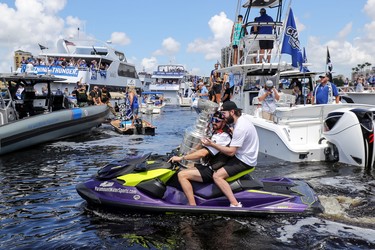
229,105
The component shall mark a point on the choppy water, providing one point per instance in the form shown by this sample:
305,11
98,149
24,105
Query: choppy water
39,207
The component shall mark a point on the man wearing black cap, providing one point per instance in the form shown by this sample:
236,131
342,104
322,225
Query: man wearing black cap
325,92
244,147
264,29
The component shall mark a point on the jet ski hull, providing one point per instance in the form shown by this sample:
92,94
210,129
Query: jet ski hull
154,195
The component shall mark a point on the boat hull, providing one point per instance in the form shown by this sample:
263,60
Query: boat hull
50,126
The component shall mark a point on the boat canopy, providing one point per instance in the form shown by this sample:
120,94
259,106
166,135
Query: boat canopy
262,3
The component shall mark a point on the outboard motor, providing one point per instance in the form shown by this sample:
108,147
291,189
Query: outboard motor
350,132
138,125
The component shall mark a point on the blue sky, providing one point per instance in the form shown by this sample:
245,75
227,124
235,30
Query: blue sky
191,32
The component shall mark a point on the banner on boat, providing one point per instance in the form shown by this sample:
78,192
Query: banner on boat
53,70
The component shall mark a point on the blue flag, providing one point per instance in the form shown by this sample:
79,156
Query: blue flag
291,43
304,68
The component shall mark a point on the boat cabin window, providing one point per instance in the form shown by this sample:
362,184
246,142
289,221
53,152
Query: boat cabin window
92,51
126,71
121,56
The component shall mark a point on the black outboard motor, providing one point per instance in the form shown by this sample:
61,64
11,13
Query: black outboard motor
138,125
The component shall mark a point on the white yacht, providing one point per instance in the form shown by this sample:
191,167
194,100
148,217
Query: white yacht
91,62
298,132
168,79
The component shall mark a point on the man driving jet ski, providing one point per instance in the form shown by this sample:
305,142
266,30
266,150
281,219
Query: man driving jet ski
213,159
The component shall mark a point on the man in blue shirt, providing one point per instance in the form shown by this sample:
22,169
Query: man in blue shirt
203,91
264,29
325,92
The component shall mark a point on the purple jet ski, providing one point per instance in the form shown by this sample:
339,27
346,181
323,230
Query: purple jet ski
149,184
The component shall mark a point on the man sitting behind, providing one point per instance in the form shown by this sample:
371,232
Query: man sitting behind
213,157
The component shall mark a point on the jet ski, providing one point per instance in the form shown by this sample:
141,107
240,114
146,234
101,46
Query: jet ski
149,184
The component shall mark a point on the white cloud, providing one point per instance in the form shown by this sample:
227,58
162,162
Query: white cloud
149,64
221,27
346,30
30,22
120,38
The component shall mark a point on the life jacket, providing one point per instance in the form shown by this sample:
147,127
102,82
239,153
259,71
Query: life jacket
104,96
82,96
220,159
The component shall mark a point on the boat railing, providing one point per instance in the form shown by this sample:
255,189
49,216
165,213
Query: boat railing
249,50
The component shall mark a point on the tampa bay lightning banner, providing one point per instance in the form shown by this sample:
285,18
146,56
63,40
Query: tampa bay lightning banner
291,43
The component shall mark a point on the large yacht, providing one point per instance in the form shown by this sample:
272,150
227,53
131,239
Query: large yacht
91,62
168,79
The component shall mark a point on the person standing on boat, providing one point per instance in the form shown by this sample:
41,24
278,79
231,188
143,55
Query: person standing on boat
268,96
106,97
81,95
264,45
325,92
227,94
203,91
134,104
94,96
244,147
213,159
238,31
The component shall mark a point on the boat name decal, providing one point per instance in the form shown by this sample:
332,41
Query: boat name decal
115,190
55,70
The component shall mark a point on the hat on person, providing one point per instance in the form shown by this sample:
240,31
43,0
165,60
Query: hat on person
229,105
324,75
262,11
219,115
269,84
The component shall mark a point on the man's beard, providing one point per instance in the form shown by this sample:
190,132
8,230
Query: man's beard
229,119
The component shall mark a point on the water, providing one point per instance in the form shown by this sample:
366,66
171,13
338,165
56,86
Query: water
39,207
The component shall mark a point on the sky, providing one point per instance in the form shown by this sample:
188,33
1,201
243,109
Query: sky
191,33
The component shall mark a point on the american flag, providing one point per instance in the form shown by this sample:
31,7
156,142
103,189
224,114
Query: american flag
69,43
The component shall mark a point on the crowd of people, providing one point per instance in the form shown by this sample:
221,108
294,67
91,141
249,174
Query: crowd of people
219,89
64,62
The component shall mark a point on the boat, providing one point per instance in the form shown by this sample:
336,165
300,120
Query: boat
168,79
145,79
186,94
149,183
123,122
92,62
364,97
36,119
140,127
152,102
298,132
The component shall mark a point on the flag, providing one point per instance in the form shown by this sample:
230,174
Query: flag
291,43
304,59
329,65
69,43
42,47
